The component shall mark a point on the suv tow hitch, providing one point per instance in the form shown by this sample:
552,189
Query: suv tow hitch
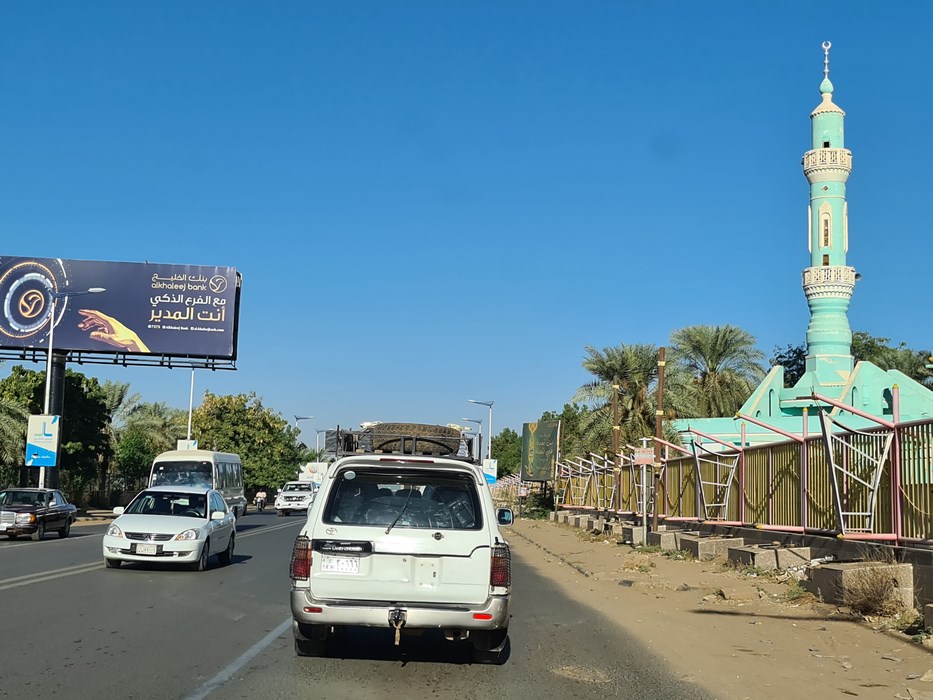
397,619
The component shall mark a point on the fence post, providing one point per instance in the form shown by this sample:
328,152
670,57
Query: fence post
897,523
804,468
742,477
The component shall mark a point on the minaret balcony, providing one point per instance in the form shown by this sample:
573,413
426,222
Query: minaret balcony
829,281
825,164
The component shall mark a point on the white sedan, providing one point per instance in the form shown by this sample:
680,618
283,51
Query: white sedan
172,524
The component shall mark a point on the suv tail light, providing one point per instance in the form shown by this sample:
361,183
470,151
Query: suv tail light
500,567
300,568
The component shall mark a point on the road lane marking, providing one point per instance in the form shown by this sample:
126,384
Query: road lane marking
269,528
244,658
40,576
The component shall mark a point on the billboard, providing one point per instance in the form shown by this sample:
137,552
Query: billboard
145,309
539,450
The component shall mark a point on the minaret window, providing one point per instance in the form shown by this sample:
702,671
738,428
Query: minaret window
825,261
826,237
825,144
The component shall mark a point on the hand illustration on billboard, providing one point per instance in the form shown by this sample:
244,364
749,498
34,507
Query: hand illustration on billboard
109,330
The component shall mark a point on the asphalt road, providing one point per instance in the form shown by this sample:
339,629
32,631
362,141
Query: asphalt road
74,628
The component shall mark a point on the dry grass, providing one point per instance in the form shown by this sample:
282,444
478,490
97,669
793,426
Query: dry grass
873,590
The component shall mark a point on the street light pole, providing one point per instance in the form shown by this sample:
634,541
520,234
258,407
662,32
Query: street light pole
53,299
317,440
298,418
487,404
480,424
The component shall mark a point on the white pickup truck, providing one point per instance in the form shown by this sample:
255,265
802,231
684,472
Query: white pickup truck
294,495
403,542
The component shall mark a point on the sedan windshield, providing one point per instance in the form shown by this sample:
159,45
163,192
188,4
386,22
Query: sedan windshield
21,498
191,505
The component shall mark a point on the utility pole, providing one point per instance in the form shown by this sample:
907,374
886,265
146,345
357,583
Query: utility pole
659,434
616,430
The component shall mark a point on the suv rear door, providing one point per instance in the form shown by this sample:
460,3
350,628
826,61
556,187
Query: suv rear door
401,533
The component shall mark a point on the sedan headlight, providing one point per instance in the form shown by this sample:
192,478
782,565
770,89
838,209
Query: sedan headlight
186,535
114,531
25,517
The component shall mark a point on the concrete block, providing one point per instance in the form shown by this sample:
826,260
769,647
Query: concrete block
552,516
706,548
563,517
663,539
831,581
634,534
928,615
578,521
769,558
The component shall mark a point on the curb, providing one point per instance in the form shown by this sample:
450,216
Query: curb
564,560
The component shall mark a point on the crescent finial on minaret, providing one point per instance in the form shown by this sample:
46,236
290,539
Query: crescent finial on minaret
826,87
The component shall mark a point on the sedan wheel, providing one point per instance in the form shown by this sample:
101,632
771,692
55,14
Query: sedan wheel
201,563
226,556
39,534
65,531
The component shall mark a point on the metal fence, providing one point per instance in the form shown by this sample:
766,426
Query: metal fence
861,484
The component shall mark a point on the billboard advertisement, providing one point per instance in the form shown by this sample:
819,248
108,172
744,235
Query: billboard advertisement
119,308
539,450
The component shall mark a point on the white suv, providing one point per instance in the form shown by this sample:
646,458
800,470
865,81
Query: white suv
295,495
403,542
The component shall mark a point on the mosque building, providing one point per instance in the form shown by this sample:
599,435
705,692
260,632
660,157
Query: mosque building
828,284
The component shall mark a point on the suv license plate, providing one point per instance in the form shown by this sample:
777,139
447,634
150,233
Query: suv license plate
147,548
340,565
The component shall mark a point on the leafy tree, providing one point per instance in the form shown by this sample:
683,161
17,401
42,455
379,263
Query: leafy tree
13,419
266,443
507,449
150,429
794,360
83,439
724,366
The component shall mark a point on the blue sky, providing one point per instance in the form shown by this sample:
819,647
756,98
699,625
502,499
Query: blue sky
436,201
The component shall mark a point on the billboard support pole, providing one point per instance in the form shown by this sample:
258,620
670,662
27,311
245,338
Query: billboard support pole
190,403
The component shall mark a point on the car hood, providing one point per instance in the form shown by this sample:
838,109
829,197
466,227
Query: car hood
162,524
18,508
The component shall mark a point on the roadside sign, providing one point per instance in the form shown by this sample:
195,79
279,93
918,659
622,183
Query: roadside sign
644,455
491,470
186,444
42,441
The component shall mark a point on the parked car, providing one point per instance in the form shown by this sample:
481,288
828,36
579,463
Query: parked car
172,525
294,496
404,543
25,511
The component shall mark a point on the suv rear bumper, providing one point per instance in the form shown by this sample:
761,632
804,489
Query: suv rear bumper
417,615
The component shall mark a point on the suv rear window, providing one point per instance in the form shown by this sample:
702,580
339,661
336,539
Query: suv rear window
404,499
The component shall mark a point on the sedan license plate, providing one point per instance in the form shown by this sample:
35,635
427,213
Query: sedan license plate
340,565
147,549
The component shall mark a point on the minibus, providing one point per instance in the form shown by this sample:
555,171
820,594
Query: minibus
216,470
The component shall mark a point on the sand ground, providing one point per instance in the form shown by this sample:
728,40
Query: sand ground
733,632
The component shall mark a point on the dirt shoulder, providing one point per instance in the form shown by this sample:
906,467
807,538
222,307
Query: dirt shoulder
738,635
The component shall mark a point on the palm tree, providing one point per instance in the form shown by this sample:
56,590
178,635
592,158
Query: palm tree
635,367
722,365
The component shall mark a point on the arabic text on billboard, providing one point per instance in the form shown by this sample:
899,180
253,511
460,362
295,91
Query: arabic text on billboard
145,308
539,450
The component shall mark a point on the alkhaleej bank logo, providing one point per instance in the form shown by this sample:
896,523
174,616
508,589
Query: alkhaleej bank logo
31,303
24,295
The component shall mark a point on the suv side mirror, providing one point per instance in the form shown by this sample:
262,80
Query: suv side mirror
504,516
